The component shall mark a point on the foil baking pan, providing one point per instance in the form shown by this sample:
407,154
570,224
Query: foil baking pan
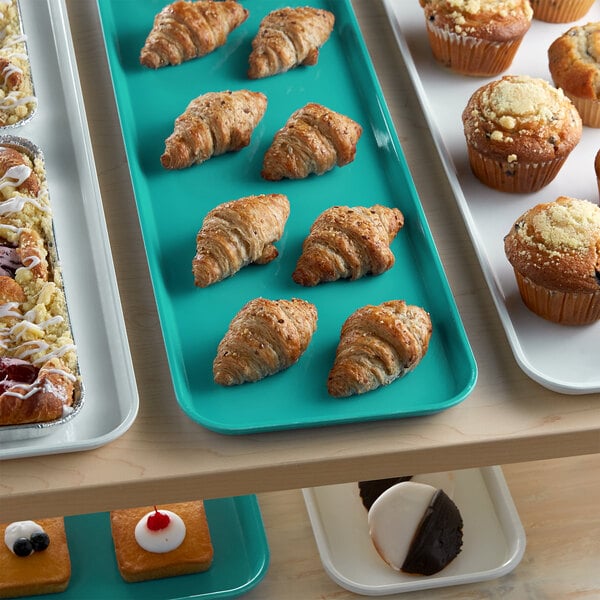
22,39
9,433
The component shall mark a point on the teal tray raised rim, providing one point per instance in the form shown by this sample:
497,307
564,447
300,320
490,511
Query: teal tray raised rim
171,206
241,558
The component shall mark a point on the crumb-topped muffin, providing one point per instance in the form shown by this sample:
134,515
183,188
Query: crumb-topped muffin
560,11
574,63
554,249
519,131
476,37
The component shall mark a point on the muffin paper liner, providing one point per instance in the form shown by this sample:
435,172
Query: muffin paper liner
561,11
470,55
588,109
565,308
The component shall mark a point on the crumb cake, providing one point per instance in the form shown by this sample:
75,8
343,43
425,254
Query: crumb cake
574,63
17,98
560,11
153,543
39,374
554,249
476,38
519,131
34,558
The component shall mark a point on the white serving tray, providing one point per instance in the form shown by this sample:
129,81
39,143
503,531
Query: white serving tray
59,129
563,359
493,537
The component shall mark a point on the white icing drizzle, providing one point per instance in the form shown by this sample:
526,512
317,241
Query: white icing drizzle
163,540
36,346
10,309
15,176
20,529
16,204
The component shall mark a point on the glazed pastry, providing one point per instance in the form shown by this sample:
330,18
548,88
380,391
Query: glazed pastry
212,124
378,345
314,140
153,543
265,337
39,374
185,30
347,243
287,38
237,233
34,558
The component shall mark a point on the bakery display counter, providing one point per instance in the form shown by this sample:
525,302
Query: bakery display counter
508,418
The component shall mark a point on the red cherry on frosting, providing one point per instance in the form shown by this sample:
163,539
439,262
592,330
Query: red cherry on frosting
158,520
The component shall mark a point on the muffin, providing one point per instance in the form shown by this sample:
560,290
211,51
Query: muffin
597,169
574,63
476,38
519,131
554,249
560,11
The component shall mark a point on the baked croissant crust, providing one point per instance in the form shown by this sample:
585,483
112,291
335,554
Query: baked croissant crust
348,243
15,168
32,395
237,233
212,124
378,344
185,30
314,140
265,337
287,38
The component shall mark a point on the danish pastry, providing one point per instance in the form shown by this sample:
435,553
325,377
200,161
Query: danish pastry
347,243
185,30
378,345
212,124
314,140
39,374
237,233
265,337
287,38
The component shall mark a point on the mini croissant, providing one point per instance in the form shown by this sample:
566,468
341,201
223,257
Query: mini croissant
378,344
287,38
237,233
314,140
185,30
212,124
265,337
347,243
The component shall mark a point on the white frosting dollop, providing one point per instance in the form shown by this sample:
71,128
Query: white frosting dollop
20,529
162,540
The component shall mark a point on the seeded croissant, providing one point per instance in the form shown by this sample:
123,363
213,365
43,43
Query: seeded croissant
185,30
378,344
287,38
348,243
265,337
212,124
237,233
314,140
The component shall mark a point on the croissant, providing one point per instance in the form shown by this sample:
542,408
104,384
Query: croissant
185,30
212,124
378,344
265,337
347,243
32,395
237,233
287,38
314,140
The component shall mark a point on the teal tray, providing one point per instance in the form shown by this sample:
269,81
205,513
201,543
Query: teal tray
241,558
172,204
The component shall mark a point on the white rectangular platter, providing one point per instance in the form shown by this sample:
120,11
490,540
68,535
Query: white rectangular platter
493,537
563,359
59,129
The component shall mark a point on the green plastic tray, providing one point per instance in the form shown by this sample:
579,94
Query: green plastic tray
172,204
241,558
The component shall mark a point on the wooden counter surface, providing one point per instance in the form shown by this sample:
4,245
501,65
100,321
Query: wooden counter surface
508,418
